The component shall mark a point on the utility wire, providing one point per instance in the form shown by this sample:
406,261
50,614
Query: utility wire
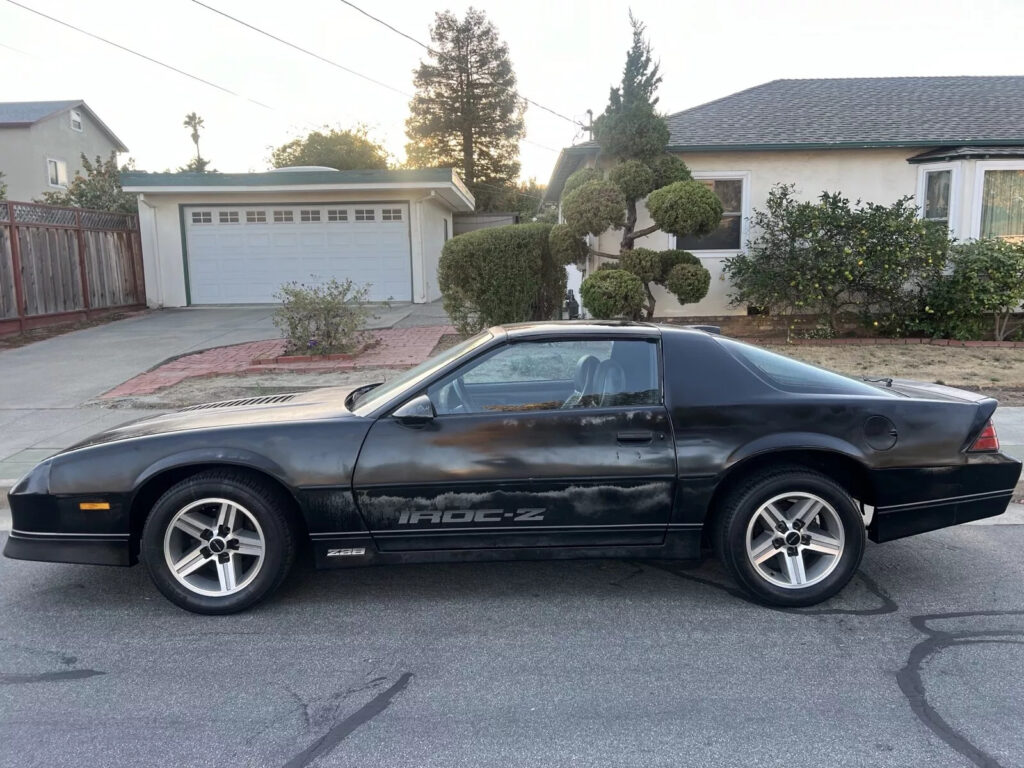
430,50
140,55
300,48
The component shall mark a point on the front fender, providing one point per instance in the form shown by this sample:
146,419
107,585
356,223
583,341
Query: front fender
221,455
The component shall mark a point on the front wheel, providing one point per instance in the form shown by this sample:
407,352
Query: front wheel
790,537
218,542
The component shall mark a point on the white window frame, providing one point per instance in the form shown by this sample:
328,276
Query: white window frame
955,169
76,117
58,165
979,185
743,176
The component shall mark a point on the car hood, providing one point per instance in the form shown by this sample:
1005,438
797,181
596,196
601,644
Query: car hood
326,403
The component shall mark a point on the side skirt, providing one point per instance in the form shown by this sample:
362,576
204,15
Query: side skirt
359,550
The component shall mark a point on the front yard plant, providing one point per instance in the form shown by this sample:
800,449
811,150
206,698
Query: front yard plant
322,318
501,275
634,165
835,258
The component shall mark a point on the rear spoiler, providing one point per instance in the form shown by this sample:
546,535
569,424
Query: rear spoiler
706,328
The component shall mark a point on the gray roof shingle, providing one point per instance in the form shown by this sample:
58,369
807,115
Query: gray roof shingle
842,112
864,111
29,112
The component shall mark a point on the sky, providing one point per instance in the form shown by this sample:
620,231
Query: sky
566,55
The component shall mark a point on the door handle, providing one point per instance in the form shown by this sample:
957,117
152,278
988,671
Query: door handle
641,437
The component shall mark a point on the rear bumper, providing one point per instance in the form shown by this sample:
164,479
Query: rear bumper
59,548
913,501
903,520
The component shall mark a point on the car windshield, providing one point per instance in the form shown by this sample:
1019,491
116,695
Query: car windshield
415,376
791,375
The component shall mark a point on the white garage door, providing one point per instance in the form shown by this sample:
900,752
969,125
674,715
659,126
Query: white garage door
243,254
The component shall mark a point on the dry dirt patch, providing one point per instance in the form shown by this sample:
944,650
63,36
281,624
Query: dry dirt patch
994,371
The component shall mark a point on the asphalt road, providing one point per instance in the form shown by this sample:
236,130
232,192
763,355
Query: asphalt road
919,663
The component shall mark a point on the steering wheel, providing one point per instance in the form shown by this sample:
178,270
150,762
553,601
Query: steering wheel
468,403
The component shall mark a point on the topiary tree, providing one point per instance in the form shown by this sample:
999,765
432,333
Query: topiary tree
612,293
501,275
633,138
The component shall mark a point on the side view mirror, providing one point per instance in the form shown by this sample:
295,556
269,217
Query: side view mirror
417,411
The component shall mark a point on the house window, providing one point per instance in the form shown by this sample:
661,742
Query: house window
1002,204
255,217
76,120
283,217
57,173
337,214
228,217
202,217
309,215
364,214
391,214
446,230
728,236
937,188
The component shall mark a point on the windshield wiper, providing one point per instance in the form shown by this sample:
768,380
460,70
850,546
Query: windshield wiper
884,380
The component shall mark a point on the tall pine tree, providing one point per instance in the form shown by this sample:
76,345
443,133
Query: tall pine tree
467,113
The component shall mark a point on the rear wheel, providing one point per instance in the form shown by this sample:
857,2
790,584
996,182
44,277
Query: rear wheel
219,542
790,536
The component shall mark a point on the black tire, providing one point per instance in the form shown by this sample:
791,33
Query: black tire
264,501
742,503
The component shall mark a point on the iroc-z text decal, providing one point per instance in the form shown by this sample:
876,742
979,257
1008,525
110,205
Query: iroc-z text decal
463,516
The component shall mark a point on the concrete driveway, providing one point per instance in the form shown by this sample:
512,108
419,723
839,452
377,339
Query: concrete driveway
44,385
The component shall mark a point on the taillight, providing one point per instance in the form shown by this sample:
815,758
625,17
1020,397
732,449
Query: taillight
987,440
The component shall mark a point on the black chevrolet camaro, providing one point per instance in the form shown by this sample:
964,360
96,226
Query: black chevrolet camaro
547,440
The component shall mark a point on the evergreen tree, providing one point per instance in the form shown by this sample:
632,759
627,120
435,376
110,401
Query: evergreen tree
467,113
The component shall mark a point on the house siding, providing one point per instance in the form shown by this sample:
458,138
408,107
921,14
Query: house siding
24,152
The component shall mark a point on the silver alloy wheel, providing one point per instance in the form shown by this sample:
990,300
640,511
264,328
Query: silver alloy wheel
214,547
795,540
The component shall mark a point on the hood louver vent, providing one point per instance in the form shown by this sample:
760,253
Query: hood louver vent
267,400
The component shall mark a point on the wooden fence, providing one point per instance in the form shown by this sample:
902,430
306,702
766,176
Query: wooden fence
60,264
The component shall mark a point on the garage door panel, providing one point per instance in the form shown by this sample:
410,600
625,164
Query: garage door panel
248,257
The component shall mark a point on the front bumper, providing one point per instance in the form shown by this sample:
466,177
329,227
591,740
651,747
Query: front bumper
55,528
64,548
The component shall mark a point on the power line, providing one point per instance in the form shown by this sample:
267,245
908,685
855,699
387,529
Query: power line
140,55
430,50
300,48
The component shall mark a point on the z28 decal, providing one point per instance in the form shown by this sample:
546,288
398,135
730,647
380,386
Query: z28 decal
463,516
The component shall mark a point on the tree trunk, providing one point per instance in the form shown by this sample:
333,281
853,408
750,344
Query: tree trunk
627,231
649,309
467,156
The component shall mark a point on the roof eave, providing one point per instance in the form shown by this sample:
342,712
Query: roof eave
452,193
840,145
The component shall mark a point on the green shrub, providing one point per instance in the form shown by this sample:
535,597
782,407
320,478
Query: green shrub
579,178
634,178
501,275
642,262
668,169
981,292
610,293
566,246
594,207
833,258
685,208
688,282
322,318
672,257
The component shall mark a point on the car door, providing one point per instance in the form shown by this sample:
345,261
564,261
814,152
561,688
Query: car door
537,443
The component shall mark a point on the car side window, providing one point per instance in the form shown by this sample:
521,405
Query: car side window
553,375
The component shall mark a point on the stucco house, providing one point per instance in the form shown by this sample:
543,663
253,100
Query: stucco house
235,238
42,143
955,143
